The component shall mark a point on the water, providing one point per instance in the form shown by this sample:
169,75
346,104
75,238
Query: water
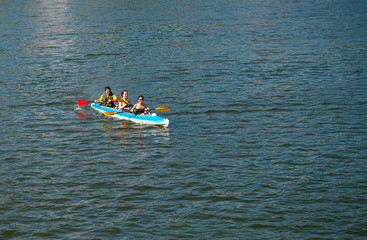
268,110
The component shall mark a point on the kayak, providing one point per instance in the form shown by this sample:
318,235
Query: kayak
151,118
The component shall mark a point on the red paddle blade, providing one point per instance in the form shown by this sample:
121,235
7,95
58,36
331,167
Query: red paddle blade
82,102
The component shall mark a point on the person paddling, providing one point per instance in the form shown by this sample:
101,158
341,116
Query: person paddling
140,107
124,102
107,98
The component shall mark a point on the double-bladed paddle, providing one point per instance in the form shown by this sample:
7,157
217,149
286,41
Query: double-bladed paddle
161,108
83,101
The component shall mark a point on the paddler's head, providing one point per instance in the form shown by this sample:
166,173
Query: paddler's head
107,90
124,93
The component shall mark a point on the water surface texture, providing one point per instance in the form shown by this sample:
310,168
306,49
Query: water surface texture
268,111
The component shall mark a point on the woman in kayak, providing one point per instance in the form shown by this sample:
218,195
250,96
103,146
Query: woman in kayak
124,102
107,98
140,107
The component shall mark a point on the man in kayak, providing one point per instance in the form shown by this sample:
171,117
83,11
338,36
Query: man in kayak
140,107
124,101
107,98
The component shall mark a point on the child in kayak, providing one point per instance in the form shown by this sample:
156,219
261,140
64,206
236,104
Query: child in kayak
140,107
107,98
124,102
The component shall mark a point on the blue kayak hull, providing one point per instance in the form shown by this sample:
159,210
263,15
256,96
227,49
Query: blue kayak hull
151,119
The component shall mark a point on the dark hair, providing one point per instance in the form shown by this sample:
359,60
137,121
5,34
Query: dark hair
140,97
122,92
107,88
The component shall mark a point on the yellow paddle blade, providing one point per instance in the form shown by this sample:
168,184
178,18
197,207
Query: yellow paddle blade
109,113
162,108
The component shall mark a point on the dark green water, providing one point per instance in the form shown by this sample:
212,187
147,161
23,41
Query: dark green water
268,111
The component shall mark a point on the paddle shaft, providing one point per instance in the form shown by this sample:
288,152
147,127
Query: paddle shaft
83,101
162,108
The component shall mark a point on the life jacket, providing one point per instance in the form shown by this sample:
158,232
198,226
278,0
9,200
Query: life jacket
127,101
107,101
